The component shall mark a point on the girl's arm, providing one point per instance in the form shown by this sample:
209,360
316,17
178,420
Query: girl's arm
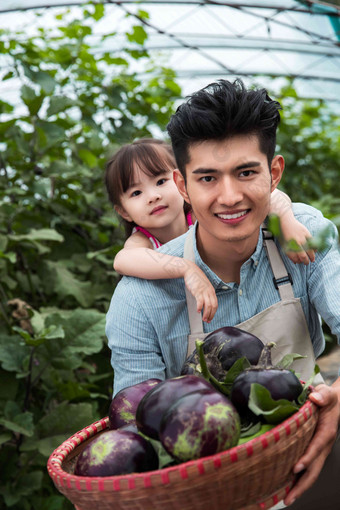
281,205
139,259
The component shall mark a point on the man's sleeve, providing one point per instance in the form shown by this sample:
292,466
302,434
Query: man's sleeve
135,350
324,281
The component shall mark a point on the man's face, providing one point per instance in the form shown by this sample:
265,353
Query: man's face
229,186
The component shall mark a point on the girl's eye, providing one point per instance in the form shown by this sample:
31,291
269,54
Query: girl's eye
136,193
161,181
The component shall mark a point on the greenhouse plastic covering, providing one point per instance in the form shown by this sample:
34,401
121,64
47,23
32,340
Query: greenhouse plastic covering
207,40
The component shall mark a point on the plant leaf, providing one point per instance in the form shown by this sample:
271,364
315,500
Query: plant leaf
273,411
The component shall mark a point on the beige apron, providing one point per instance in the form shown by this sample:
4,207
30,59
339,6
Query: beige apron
283,323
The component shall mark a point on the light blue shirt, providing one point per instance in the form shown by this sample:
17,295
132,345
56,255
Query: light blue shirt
147,322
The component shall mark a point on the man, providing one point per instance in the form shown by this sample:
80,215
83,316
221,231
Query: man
224,139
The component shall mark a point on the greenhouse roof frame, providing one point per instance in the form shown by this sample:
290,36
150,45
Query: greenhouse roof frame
207,40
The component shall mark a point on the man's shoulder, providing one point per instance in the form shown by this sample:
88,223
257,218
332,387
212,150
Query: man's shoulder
309,216
301,210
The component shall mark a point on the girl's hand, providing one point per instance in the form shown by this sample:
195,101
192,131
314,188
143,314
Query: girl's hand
293,229
202,290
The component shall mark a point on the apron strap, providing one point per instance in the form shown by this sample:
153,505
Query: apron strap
282,279
195,319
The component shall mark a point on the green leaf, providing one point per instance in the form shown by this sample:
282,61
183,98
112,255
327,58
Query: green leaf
238,366
13,352
49,333
59,104
4,438
43,234
288,359
66,284
84,330
32,101
322,241
305,392
258,430
274,225
163,457
65,419
273,411
88,157
16,421
138,35
45,80
26,485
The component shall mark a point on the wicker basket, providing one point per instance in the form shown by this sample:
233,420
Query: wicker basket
252,476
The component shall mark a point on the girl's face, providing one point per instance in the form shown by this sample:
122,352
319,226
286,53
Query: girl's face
152,202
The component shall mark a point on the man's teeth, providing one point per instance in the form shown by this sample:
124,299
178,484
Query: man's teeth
232,216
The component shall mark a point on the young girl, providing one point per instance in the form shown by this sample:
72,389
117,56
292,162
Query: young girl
140,185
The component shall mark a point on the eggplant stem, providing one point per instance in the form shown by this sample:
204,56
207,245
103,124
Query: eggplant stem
265,360
204,368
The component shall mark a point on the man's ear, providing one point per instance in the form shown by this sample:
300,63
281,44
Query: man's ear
181,186
121,211
277,167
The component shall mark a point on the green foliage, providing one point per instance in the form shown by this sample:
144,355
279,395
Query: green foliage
59,235
309,140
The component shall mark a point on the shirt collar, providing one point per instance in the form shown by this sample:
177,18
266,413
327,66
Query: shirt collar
214,279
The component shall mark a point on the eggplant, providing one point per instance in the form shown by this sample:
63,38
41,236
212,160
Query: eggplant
154,403
281,383
116,452
200,423
221,349
122,410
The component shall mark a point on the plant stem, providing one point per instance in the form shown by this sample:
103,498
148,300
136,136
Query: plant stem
205,370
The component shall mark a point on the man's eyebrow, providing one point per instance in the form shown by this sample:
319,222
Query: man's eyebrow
242,166
250,164
204,171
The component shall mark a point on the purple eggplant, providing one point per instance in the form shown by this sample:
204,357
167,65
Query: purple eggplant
124,404
198,424
116,452
281,383
222,348
154,404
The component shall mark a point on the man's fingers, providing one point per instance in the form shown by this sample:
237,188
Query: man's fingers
306,480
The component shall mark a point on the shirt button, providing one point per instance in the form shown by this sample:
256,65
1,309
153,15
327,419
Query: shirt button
240,292
256,262
225,287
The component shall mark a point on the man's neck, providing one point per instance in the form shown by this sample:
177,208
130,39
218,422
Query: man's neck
225,258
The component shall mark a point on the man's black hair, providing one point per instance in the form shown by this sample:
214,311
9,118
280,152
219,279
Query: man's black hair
219,111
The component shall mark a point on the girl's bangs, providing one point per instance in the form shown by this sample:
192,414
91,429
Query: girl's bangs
150,159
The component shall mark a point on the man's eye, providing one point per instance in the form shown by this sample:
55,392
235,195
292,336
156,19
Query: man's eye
136,193
207,178
247,173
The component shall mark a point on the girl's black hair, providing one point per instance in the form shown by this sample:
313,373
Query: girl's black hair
222,110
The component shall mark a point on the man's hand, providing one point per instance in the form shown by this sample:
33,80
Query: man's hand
326,397
202,290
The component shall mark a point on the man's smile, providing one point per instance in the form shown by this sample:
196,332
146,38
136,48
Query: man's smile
233,216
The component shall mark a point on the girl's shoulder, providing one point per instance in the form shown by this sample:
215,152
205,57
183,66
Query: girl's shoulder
138,240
